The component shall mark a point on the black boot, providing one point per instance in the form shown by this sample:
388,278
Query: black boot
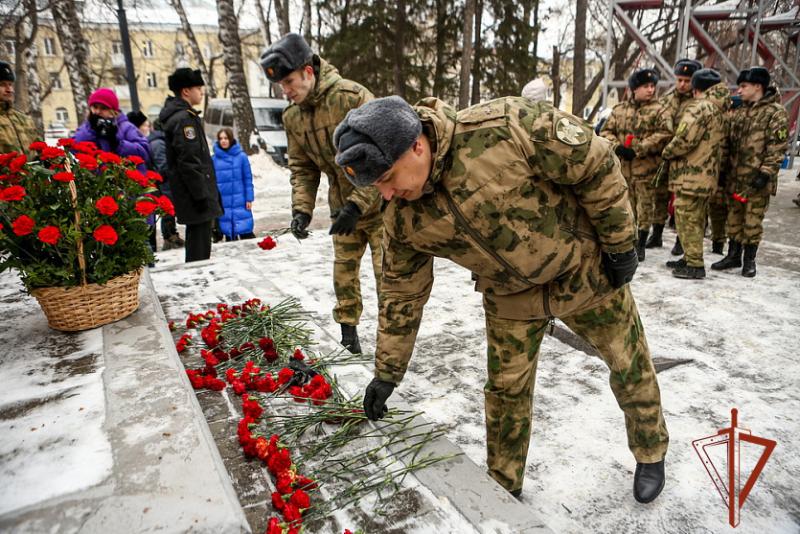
733,259
689,273
717,247
648,481
655,239
350,339
674,264
640,244
677,250
749,265
517,493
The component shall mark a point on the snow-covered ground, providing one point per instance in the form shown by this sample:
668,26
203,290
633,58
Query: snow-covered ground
742,335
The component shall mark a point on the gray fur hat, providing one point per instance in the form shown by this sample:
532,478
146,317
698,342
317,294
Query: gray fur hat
372,138
705,78
687,67
6,72
285,56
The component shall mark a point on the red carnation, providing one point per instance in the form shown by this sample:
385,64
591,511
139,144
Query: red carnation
137,177
49,235
63,177
105,234
65,141
277,501
154,176
146,207
300,499
298,354
284,375
51,153
291,513
23,225
109,157
17,163
166,205
38,146
284,482
86,147
106,205
136,160
15,192
87,162
267,243
274,526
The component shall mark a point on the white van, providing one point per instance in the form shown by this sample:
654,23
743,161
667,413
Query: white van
269,122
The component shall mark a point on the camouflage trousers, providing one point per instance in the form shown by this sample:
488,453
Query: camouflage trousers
643,202
718,213
615,330
690,222
347,253
745,221
661,201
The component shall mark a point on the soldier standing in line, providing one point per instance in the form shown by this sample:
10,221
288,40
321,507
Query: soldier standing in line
758,139
640,127
531,201
320,100
695,155
673,101
17,130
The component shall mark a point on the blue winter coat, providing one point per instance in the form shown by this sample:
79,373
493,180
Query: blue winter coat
235,183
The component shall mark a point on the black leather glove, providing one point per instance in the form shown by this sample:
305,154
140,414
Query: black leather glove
375,398
300,222
302,372
760,181
346,219
104,128
620,267
624,152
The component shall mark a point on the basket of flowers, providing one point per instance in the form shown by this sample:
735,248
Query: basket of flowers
73,223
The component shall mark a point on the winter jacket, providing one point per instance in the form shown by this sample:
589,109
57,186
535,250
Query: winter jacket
651,126
130,141
309,129
521,194
190,171
695,153
235,183
759,137
17,130
158,158
674,102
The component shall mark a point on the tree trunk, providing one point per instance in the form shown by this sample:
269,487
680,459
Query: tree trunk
556,77
399,49
75,49
307,18
282,13
211,88
466,55
579,59
535,38
264,23
476,64
232,58
30,26
438,72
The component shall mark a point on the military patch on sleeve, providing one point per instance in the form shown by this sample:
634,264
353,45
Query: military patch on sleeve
681,128
570,133
782,134
189,133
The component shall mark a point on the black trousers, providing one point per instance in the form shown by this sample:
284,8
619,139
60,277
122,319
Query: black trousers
168,227
198,241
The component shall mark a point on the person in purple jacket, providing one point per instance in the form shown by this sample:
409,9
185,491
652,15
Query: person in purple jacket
235,184
110,129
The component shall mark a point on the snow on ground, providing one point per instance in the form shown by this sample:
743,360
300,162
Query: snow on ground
741,333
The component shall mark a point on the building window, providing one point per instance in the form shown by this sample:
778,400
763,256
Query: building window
10,47
147,49
62,115
49,46
116,47
151,79
55,80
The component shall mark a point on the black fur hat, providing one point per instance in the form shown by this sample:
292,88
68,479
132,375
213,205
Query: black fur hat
742,76
687,67
137,118
285,56
758,75
6,72
641,77
183,78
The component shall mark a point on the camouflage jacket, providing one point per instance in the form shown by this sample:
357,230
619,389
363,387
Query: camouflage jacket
758,140
674,102
17,130
309,128
521,194
696,151
651,126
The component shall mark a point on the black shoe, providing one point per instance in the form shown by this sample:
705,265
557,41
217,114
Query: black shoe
517,493
648,482
350,339
655,241
733,259
690,273
674,264
749,262
677,250
717,247
640,244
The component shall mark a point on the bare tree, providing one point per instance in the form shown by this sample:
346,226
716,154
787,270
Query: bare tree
438,71
399,47
579,58
307,19
556,76
234,66
478,47
282,13
76,53
211,88
263,19
466,55
29,27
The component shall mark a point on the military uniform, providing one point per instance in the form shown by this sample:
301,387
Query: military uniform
17,130
650,123
695,155
309,128
525,197
673,102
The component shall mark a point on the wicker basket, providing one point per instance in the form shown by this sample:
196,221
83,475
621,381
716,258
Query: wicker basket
71,309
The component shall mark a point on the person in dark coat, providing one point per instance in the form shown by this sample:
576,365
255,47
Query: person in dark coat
190,169
235,183
158,162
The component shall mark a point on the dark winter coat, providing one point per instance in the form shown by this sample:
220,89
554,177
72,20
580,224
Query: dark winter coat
190,169
158,158
130,141
235,183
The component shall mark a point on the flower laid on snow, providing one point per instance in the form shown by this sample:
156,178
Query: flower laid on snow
183,342
268,243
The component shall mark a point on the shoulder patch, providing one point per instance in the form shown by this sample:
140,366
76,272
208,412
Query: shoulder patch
570,133
189,133
681,128
782,134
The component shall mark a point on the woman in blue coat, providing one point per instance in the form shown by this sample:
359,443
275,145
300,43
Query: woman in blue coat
235,183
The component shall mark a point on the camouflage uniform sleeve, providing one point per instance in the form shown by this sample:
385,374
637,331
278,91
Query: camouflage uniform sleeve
305,174
609,129
405,287
592,172
364,197
777,134
688,134
656,141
